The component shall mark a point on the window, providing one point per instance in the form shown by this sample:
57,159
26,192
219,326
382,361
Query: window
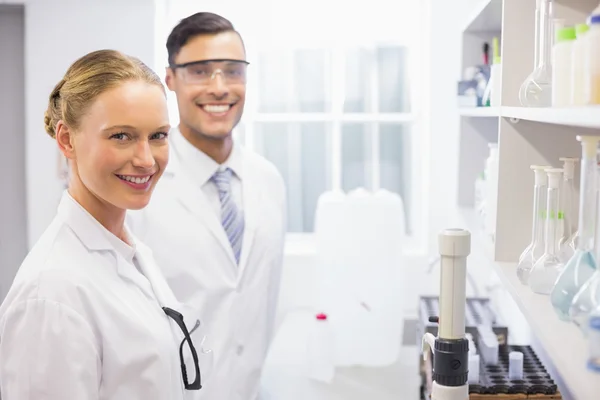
334,106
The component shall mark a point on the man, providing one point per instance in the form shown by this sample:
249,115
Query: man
216,223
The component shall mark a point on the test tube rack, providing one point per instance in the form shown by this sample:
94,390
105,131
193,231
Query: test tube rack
493,379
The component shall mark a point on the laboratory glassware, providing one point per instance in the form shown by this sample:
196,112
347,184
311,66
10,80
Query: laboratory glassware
536,90
593,363
535,250
581,266
568,242
547,268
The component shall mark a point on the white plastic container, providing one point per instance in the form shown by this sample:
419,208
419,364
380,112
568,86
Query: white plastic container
321,351
578,66
592,66
562,67
515,366
474,362
491,190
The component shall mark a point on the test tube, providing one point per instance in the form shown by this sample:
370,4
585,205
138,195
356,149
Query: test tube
474,369
515,366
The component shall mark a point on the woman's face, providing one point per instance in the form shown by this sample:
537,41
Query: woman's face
120,149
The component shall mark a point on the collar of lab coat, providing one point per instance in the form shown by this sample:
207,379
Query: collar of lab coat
96,238
203,166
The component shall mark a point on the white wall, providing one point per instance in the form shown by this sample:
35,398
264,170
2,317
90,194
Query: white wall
57,33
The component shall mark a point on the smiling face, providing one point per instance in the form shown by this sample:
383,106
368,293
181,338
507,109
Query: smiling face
120,149
213,106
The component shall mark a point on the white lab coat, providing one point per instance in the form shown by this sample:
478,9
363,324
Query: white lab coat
81,322
190,245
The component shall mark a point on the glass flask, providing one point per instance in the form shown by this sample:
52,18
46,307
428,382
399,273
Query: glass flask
580,267
535,250
567,196
547,268
536,90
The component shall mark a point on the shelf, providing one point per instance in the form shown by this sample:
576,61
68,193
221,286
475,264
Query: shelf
562,342
479,112
582,117
487,17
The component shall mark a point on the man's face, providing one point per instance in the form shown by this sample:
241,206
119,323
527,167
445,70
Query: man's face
211,92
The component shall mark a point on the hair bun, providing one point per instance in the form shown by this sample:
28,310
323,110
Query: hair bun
48,125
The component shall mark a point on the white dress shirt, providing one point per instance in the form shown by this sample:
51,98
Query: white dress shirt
201,168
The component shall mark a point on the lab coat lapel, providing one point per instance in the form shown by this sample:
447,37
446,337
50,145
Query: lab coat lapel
196,202
251,196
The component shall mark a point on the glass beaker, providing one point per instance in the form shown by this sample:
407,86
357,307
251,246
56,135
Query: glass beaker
535,250
536,90
548,267
579,269
567,196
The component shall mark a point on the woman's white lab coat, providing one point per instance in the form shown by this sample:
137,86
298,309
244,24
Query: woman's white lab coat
82,322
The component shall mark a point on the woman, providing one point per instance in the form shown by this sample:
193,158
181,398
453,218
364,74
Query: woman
88,315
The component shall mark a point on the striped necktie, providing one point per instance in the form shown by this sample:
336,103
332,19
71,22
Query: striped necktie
231,217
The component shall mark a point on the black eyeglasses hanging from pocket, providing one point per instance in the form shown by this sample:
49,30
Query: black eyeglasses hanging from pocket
178,318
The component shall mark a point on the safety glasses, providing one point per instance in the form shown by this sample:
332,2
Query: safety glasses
204,71
178,318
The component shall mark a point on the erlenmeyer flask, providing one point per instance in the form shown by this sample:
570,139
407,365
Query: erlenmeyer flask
535,250
581,266
548,267
567,195
536,90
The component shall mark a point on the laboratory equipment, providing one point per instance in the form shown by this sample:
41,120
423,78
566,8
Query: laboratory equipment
567,195
562,66
546,270
591,83
515,366
474,362
321,356
580,267
578,68
451,347
491,190
535,250
536,90
488,345
593,363
491,96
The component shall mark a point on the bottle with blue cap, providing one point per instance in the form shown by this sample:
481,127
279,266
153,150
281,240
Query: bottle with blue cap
592,68
594,341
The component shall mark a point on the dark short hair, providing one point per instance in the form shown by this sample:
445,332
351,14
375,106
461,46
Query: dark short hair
202,23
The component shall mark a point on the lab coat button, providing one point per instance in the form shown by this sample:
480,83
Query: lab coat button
240,350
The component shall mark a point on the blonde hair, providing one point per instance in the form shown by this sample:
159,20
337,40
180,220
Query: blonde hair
86,79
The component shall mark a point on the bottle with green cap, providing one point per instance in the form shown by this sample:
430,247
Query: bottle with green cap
562,66
578,68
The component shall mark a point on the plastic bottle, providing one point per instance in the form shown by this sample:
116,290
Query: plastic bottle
546,270
592,68
578,65
562,67
535,250
321,351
